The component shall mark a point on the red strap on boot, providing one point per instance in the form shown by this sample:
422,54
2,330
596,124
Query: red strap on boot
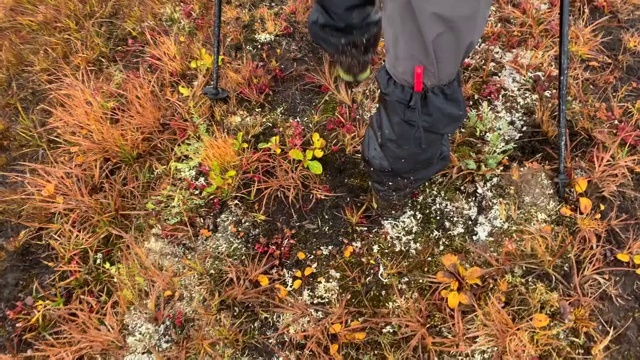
418,77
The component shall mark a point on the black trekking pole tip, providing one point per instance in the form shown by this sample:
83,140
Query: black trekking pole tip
562,181
215,93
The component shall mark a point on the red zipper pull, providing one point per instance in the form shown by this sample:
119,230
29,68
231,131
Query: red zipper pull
418,77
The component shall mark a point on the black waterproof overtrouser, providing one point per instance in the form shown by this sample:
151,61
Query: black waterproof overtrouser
407,140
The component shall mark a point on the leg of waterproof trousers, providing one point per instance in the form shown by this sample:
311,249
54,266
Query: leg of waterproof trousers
407,141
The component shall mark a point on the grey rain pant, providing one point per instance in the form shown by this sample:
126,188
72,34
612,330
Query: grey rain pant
407,140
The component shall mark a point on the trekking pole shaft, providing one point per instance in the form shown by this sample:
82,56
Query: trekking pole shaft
562,92
216,43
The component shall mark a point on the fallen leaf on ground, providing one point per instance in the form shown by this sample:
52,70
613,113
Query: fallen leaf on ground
624,257
585,205
296,284
335,328
565,211
359,336
348,251
263,280
48,190
298,273
308,271
581,185
302,255
540,320
282,292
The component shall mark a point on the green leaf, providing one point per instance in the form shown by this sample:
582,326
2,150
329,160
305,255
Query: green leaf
193,64
185,91
315,167
470,164
150,206
263,145
309,154
296,154
211,189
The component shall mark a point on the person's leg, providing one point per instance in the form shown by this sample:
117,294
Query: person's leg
349,31
407,141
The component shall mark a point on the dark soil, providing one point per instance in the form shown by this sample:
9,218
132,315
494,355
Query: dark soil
19,271
623,314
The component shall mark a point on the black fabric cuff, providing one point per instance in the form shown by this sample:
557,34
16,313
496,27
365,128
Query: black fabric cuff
335,23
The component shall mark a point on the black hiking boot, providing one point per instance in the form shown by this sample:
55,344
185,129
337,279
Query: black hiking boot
390,207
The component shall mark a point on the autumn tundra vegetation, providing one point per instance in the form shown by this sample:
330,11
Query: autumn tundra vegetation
140,220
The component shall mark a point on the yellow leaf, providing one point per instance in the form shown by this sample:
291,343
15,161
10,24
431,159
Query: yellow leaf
547,229
585,205
454,285
315,137
263,280
185,91
638,271
565,211
298,273
581,185
302,255
205,233
348,251
473,273
444,277
354,324
445,293
79,158
318,153
624,257
335,328
296,284
503,285
59,199
359,336
449,260
334,349
474,282
48,190
461,270
601,207
168,293
636,259
453,299
465,298
308,271
282,292
540,320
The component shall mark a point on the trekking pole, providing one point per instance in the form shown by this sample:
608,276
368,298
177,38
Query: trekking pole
562,94
214,92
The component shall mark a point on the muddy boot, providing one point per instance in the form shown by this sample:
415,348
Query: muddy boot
349,31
